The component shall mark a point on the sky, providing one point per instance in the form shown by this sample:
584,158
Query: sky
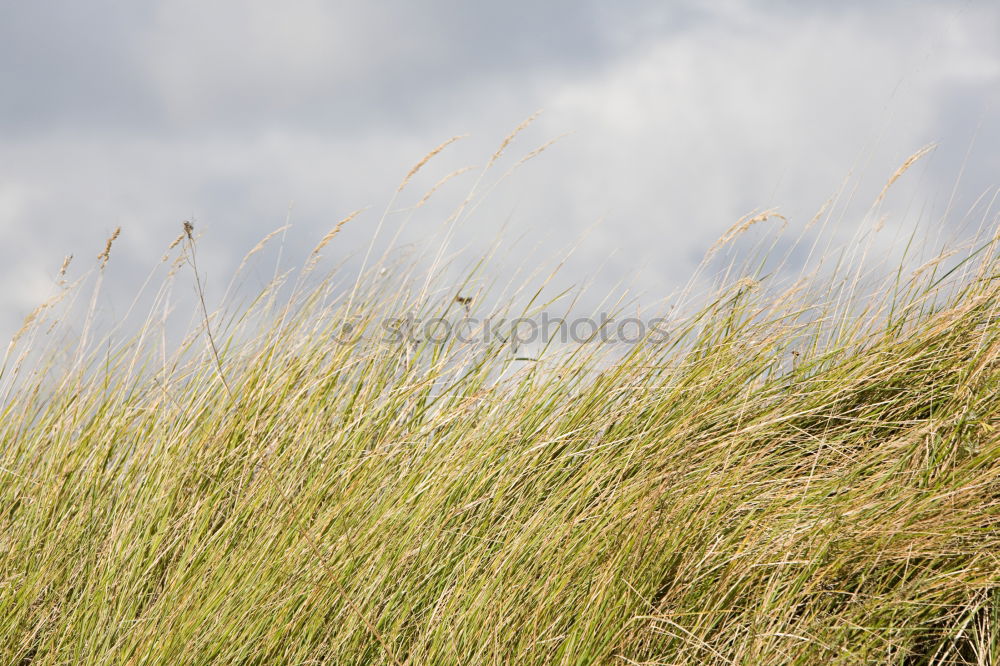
674,120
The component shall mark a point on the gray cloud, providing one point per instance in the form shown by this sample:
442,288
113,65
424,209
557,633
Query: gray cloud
683,118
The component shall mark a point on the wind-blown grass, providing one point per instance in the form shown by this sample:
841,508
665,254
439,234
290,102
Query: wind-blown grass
798,477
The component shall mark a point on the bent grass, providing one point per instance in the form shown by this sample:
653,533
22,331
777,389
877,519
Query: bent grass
804,474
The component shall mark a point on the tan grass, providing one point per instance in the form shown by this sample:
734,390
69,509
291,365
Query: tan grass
103,257
510,137
440,183
742,226
909,162
261,244
63,268
427,158
802,474
314,255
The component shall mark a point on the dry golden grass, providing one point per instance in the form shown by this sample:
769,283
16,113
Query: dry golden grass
806,471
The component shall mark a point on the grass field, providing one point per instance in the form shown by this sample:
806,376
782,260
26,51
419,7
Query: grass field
802,474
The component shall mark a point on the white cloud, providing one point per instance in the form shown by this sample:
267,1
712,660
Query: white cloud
754,111
206,59
679,129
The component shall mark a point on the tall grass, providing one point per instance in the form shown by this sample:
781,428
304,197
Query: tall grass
802,474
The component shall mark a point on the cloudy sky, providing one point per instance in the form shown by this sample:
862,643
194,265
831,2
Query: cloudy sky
680,118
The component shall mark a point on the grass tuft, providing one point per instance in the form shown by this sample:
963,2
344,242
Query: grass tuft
805,472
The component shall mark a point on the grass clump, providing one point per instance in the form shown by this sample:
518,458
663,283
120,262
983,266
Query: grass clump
797,476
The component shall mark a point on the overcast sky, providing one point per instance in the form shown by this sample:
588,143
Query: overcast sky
683,116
